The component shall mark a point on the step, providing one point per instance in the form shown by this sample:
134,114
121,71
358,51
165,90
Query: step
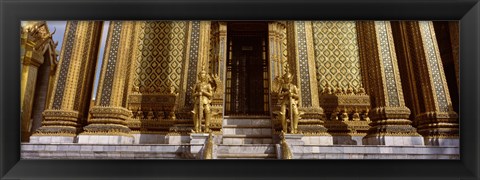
247,126
246,139
246,117
246,149
248,122
247,131
246,156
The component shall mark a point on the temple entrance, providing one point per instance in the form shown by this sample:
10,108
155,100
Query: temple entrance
247,69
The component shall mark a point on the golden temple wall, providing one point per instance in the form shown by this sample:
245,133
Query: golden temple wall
150,67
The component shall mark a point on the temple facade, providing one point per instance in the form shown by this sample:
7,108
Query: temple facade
361,86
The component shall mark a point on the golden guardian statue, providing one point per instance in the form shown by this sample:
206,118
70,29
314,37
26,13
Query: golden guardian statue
289,100
202,94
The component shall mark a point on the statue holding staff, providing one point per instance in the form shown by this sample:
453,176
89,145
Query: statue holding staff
289,99
202,94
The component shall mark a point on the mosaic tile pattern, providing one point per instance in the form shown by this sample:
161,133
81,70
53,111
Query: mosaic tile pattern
192,61
162,48
111,64
67,55
387,60
336,53
433,65
303,63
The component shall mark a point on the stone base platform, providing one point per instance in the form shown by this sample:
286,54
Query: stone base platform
164,151
442,141
348,140
104,139
394,140
317,140
104,151
374,152
246,151
52,139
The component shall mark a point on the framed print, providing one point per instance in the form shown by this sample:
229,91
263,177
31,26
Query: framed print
155,89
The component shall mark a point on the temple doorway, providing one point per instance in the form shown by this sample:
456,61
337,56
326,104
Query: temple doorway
247,83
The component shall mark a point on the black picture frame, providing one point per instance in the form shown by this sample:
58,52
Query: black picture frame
12,12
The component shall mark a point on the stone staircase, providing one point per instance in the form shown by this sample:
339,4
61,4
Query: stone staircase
246,151
247,138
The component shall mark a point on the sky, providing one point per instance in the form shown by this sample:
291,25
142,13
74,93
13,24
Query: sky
58,36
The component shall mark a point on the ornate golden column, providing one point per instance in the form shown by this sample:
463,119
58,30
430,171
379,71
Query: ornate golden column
218,57
277,38
455,42
197,57
435,117
68,107
301,62
390,124
204,45
277,35
107,123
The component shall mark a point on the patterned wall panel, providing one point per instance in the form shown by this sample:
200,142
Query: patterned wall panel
303,65
192,61
336,53
162,47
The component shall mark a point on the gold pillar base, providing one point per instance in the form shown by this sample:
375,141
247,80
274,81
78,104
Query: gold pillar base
108,121
390,126
58,126
59,123
112,138
439,128
107,126
442,141
52,139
